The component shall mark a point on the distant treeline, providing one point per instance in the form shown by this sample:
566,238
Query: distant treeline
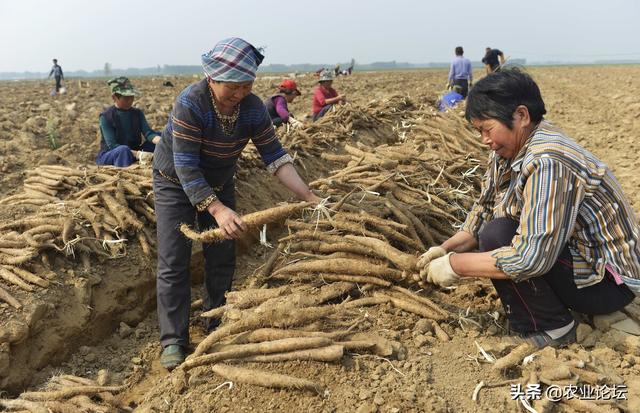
167,70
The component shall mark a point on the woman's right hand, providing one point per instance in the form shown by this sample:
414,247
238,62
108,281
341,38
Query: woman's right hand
228,221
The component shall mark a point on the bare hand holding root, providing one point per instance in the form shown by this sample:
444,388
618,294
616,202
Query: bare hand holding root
230,223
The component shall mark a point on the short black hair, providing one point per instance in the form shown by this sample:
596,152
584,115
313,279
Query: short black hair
459,51
497,96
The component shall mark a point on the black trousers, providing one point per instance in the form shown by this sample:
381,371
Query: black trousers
543,303
464,84
58,79
174,255
323,111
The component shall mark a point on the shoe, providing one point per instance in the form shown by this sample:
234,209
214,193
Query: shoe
540,339
172,356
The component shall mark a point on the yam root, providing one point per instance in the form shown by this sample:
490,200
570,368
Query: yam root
276,317
253,220
341,266
326,354
269,347
381,249
69,392
514,357
265,378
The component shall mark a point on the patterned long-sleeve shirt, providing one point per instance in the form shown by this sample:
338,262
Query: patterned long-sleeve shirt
561,194
195,150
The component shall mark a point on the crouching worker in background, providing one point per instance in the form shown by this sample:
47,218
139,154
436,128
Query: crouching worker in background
450,99
277,105
123,128
554,230
325,95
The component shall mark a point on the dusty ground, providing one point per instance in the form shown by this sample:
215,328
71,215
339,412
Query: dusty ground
598,106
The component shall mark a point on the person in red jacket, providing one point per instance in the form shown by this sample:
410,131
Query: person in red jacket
325,96
277,105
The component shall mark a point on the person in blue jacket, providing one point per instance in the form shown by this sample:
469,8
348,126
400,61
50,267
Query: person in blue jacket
451,99
125,133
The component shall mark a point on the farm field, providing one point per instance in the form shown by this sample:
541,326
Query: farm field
77,305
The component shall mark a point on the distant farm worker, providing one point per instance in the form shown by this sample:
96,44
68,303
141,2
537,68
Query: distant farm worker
490,60
278,104
211,122
350,68
126,135
460,72
554,230
56,71
451,99
325,96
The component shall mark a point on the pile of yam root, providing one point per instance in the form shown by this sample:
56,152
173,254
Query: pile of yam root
70,394
75,212
573,377
384,206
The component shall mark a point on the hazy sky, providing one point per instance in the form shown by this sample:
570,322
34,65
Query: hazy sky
84,34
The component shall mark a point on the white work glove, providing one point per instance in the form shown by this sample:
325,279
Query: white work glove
295,123
145,158
431,254
439,272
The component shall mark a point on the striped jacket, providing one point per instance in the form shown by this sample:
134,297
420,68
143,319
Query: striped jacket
560,194
194,149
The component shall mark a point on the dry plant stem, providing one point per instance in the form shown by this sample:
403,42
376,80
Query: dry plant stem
264,378
253,220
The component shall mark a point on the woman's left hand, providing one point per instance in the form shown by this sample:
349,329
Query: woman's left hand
439,272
